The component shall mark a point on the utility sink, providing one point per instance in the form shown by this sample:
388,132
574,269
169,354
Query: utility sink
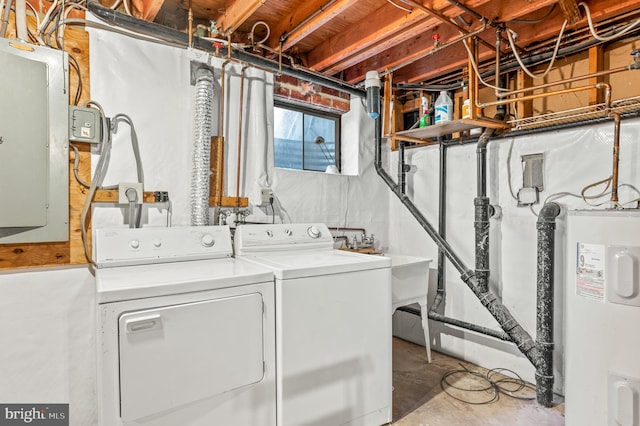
409,284
410,280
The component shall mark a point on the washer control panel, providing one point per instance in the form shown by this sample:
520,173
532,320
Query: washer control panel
125,246
287,236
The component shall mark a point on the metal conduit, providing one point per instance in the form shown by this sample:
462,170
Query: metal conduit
201,148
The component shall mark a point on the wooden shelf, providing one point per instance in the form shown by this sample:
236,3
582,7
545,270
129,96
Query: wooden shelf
447,128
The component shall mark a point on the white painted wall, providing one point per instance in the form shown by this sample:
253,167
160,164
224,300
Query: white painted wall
48,351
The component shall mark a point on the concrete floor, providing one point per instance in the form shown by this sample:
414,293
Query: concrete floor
418,399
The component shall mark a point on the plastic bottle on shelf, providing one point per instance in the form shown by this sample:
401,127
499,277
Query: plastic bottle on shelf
424,118
444,108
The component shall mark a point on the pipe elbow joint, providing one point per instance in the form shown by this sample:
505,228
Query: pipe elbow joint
549,212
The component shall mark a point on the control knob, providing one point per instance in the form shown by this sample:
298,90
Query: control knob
207,240
269,233
313,232
134,244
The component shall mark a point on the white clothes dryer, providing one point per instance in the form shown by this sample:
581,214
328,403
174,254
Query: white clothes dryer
186,334
333,325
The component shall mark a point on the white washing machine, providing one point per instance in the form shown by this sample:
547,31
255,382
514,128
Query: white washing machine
333,326
186,334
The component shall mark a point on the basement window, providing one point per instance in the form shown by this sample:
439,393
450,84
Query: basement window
305,138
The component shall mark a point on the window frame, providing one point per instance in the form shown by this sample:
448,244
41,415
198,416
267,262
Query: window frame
318,112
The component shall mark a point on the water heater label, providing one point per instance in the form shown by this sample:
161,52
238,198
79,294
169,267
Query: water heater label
590,276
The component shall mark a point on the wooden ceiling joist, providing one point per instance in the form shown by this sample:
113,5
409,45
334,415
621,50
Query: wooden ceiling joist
148,8
237,14
364,35
570,10
317,20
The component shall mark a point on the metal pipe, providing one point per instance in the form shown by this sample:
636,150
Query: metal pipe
284,36
544,315
444,19
190,19
501,314
481,203
469,326
547,94
402,174
222,97
566,81
177,37
338,229
239,148
442,215
497,73
201,167
437,48
513,64
616,156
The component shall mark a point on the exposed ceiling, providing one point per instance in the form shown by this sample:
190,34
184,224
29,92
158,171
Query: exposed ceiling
347,38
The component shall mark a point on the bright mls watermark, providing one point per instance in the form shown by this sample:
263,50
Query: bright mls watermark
34,414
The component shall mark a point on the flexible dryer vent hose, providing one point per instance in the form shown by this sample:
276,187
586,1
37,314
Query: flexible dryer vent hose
201,148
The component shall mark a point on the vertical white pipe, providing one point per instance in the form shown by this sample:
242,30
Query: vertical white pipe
201,148
21,20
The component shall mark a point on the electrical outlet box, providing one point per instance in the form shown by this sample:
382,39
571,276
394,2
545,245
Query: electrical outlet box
122,192
266,194
85,125
527,197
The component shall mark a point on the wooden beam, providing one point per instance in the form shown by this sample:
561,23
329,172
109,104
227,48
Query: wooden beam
600,10
298,15
229,202
316,22
596,60
148,8
381,25
236,14
523,108
111,196
570,11
419,71
446,60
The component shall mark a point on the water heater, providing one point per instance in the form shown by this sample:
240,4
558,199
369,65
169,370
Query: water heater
602,318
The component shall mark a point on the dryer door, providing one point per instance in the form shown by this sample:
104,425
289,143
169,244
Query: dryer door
174,355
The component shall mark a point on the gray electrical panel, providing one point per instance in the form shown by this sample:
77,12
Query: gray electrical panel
34,151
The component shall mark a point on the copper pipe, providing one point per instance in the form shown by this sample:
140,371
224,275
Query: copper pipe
190,18
497,82
222,99
240,137
547,94
567,80
461,37
444,19
616,157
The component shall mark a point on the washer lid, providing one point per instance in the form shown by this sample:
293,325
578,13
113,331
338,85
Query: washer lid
300,264
142,281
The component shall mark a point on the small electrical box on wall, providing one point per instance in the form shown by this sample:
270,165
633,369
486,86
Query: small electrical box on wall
34,147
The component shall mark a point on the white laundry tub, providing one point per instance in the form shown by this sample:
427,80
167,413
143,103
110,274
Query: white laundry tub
409,284
409,280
